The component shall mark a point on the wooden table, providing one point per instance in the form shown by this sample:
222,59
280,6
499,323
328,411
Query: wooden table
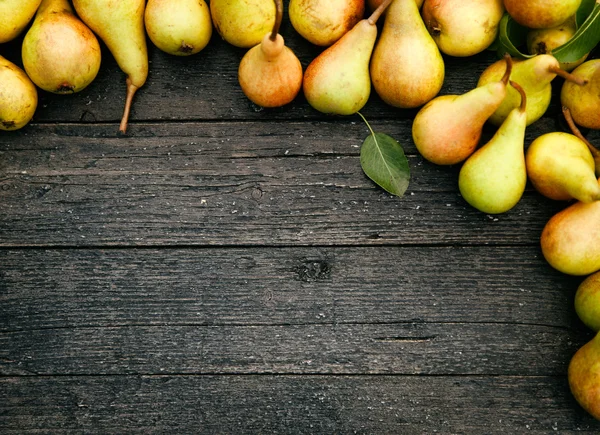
228,269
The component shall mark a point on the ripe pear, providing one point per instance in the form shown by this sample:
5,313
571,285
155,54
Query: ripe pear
243,23
447,129
60,54
535,76
587,301
583,101
120,24
584,376
570,240
595,151
561,167
18,96
16,14
493,178
407,68
541,14
270,74
462,27
323,22
178,27
374,4
543,41
337,81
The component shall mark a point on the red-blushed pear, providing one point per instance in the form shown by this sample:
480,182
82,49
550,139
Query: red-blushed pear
270,74
541,14
337,81
583,100
120,24
15,15
18,96
447,129
584,376
587,301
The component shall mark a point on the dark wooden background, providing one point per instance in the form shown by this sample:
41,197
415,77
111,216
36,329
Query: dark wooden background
229,269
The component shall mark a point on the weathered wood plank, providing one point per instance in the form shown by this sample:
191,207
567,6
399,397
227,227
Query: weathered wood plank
54,289
291,404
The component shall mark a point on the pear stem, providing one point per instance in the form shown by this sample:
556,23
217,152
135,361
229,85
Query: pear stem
131,90
567,76
377,13
509,65
366,122
523,95
278,19
595,152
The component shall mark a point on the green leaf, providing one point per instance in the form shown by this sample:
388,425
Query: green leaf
383,161
583,41
511,35
585,9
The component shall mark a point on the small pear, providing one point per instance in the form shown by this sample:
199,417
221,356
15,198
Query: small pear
60,54
463,27
543,41
120,24
447,129
323,22
587,301
178,27
541,14
584,376
407,68
243,23
560,166
18,96
584,100
16,14
535,76
270,74
570,240
493,179
337,81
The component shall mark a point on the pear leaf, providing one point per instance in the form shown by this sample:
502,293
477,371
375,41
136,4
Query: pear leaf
585,9
511,35
383,161
583,41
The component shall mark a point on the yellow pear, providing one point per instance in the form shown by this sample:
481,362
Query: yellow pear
541,14
583,100
243,23
14,17
584,376
18,96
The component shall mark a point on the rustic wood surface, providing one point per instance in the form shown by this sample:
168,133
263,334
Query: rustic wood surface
229,269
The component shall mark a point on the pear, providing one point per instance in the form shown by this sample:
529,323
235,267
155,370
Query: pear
535,76
493,178
374,4
60,54
587,301
120,24
560,166
541,14
242,23
448,128
407,68
570,240
543,41
584,376
270,74
178,27
323,22
463,27
595,151
18,96
16,14
337,81
583,101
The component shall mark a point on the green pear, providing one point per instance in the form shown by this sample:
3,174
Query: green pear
583,100
493,178
337,81
178,27
407,68
270,74
463,27
543,41
560,166
120,24
447,129
60,54
323,22
535,76
570,240
541,14
243,23
18,96
587,301
584,376
16,14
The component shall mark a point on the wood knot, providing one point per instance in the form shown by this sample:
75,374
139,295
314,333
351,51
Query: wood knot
313,270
